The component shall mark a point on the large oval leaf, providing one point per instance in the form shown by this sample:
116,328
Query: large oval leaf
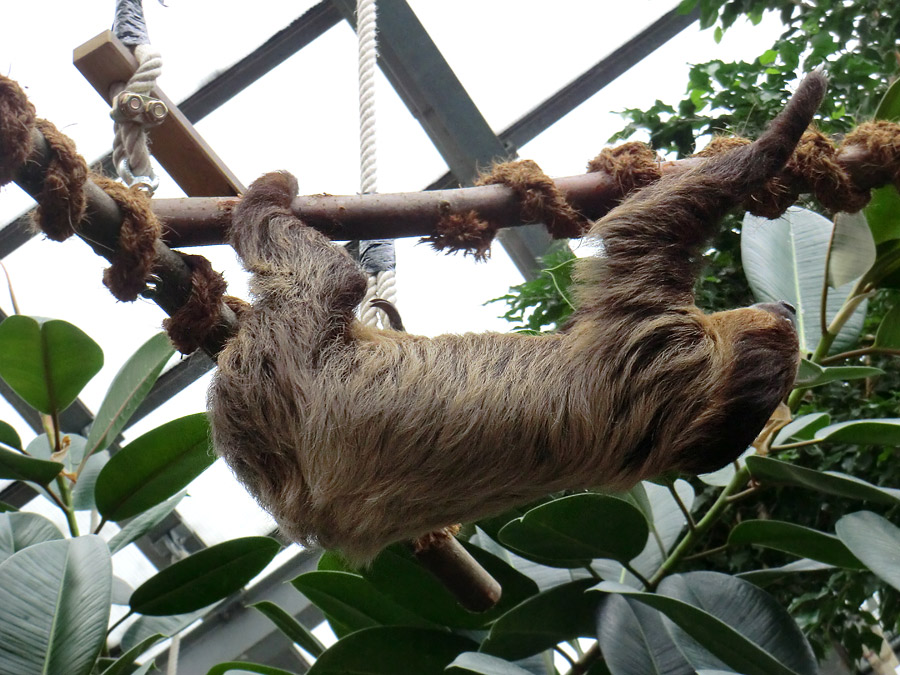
485,664
888,334
388,650
733,621
154,467
147,626
55,600
9,437
353,603
811,374
852,249
797,540
19,467
768,575
142,524
561,613
784,259
204,577
875,541
47,363
572,531
397,574
634,640
20,530
290,627
881,214
773,471
129,387
863,432
802,428
246,667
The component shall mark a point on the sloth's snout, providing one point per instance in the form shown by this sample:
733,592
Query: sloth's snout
781,308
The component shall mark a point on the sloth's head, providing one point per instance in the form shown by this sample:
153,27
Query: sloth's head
758,354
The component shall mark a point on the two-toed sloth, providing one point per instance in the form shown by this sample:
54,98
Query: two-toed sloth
354,438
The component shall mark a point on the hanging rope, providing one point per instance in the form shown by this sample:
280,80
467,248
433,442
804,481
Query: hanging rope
133,108
376,256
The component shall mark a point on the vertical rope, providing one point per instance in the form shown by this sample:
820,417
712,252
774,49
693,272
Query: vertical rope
131,153
377,256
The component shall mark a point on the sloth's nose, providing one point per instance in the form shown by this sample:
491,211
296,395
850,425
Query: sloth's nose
788,306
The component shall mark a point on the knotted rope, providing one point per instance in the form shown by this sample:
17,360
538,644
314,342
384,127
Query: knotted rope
61,206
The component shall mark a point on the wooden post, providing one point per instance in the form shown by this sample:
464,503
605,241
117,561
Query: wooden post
175,143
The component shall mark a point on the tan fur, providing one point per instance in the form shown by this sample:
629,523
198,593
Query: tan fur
354,438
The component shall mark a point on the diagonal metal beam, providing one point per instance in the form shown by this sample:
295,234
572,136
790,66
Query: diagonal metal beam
434,95
579,90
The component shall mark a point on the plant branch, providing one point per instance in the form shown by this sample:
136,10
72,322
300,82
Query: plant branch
854,353
692,537
681,505
585,662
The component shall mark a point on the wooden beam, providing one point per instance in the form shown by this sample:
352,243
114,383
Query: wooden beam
188,159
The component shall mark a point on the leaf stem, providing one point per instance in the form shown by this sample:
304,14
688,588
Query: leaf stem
684,509
640,577
65,493
798,444
864,351
119,622
585,662
562,653
738,481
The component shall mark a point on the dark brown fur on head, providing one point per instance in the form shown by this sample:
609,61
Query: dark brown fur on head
354,438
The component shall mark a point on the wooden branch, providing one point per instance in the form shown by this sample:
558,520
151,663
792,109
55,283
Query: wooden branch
205,221
201,222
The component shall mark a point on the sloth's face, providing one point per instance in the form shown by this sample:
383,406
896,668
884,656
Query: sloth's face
758,354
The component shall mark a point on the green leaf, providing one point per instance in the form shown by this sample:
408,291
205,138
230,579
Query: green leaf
154,467
129,387
389,650
882,215
39,448
802,428
768,57
572,531
55,600
784,259
773,471
204,577
124,664
863,432
813,375
485,664
852,249
634,640
290,627
8,436
875,541
4,507
121,591
47,363
142,524
246,667
889,108
562,613
770,574
19,530
399,576
353,602
19,467
797,540
733,621
145,626
888,335
83,492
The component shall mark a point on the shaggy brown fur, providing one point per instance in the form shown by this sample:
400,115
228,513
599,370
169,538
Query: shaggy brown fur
354,438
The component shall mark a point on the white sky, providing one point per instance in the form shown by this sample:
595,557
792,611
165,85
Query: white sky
510,55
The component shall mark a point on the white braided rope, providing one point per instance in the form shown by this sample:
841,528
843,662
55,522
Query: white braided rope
383,283
368,55
131,137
